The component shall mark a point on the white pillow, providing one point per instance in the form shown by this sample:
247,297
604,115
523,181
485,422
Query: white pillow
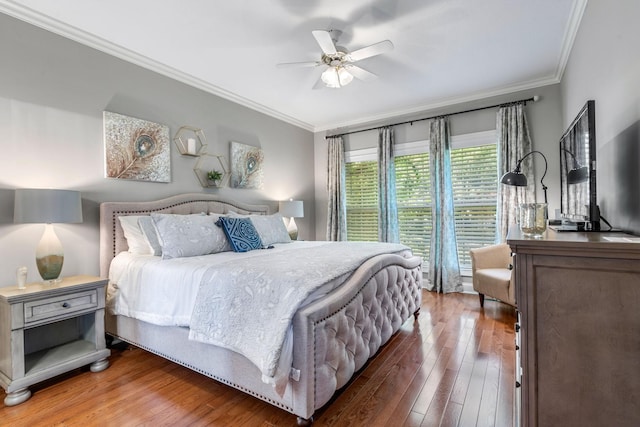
135,238
227,244
188,235
149,232
270,228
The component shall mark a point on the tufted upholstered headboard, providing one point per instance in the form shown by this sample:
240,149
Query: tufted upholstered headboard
112,240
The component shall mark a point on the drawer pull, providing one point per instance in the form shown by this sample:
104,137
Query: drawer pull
518,384
66,305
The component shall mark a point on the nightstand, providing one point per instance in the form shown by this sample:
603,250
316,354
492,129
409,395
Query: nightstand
47,330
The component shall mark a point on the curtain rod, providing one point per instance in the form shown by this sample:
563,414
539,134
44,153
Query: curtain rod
521,101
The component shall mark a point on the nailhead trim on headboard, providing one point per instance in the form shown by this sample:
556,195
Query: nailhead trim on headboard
111,236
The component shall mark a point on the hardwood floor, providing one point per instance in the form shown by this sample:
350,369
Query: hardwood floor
455,367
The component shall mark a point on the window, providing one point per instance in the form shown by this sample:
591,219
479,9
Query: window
474,175
413,189
362,201
474,178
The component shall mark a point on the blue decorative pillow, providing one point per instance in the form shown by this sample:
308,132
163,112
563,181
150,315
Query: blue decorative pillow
241,233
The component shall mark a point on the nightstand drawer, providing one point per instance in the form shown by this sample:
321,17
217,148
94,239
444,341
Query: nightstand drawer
35,311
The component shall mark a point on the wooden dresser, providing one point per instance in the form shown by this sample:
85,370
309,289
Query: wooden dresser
578,297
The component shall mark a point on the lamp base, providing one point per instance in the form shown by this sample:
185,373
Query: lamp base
292,229
533,219
49,256
50,267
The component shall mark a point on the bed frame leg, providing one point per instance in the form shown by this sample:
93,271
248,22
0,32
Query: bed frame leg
305,421
416,314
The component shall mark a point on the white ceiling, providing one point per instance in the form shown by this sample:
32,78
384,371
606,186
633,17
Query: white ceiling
446,51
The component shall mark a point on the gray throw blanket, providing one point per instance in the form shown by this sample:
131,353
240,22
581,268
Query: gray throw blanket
247,305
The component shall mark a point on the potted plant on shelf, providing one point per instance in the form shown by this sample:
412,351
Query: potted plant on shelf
214,178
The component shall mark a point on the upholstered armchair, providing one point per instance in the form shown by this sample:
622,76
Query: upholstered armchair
491,269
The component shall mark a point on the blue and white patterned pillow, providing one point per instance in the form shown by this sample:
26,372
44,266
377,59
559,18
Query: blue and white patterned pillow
241,233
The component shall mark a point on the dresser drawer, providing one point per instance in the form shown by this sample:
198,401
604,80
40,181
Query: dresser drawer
59,306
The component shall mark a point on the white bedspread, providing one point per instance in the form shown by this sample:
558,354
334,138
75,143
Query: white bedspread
164,292
248,306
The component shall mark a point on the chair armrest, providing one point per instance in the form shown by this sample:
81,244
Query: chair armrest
494,256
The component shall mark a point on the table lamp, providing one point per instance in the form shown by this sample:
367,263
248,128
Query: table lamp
533,216
292,209
518,179
45,206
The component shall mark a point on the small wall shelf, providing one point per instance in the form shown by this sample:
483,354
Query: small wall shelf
190,141
207,162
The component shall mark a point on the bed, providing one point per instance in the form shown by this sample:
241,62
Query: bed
331,336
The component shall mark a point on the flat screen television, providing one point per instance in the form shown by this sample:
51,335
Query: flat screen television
579,205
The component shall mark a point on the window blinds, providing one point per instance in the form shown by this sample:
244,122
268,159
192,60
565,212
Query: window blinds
362,201
474,179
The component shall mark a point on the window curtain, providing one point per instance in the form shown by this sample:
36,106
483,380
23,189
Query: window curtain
513,143
444,270
387,205
336,178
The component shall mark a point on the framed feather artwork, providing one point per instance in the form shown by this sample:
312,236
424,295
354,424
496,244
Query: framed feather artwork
246,166
136,149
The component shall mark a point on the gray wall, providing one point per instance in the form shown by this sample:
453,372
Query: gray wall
604,65
52,95
545,126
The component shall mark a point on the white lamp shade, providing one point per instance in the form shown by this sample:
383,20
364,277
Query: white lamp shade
291,208
35,205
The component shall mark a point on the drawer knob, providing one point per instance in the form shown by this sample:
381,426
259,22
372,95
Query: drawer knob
66,305
518,384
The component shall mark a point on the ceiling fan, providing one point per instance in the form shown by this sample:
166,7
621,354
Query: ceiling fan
339,61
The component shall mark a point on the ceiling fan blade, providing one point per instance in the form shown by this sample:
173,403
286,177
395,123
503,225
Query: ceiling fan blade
360,73
298,64
369,51
323,38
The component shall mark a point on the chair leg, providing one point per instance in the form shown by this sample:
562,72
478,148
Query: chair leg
481,300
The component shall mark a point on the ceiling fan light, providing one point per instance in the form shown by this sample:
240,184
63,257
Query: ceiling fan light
344,76
336,77
330,77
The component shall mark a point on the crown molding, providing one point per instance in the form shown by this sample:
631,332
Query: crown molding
35,18
445,102
70,32
571,31
577,12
